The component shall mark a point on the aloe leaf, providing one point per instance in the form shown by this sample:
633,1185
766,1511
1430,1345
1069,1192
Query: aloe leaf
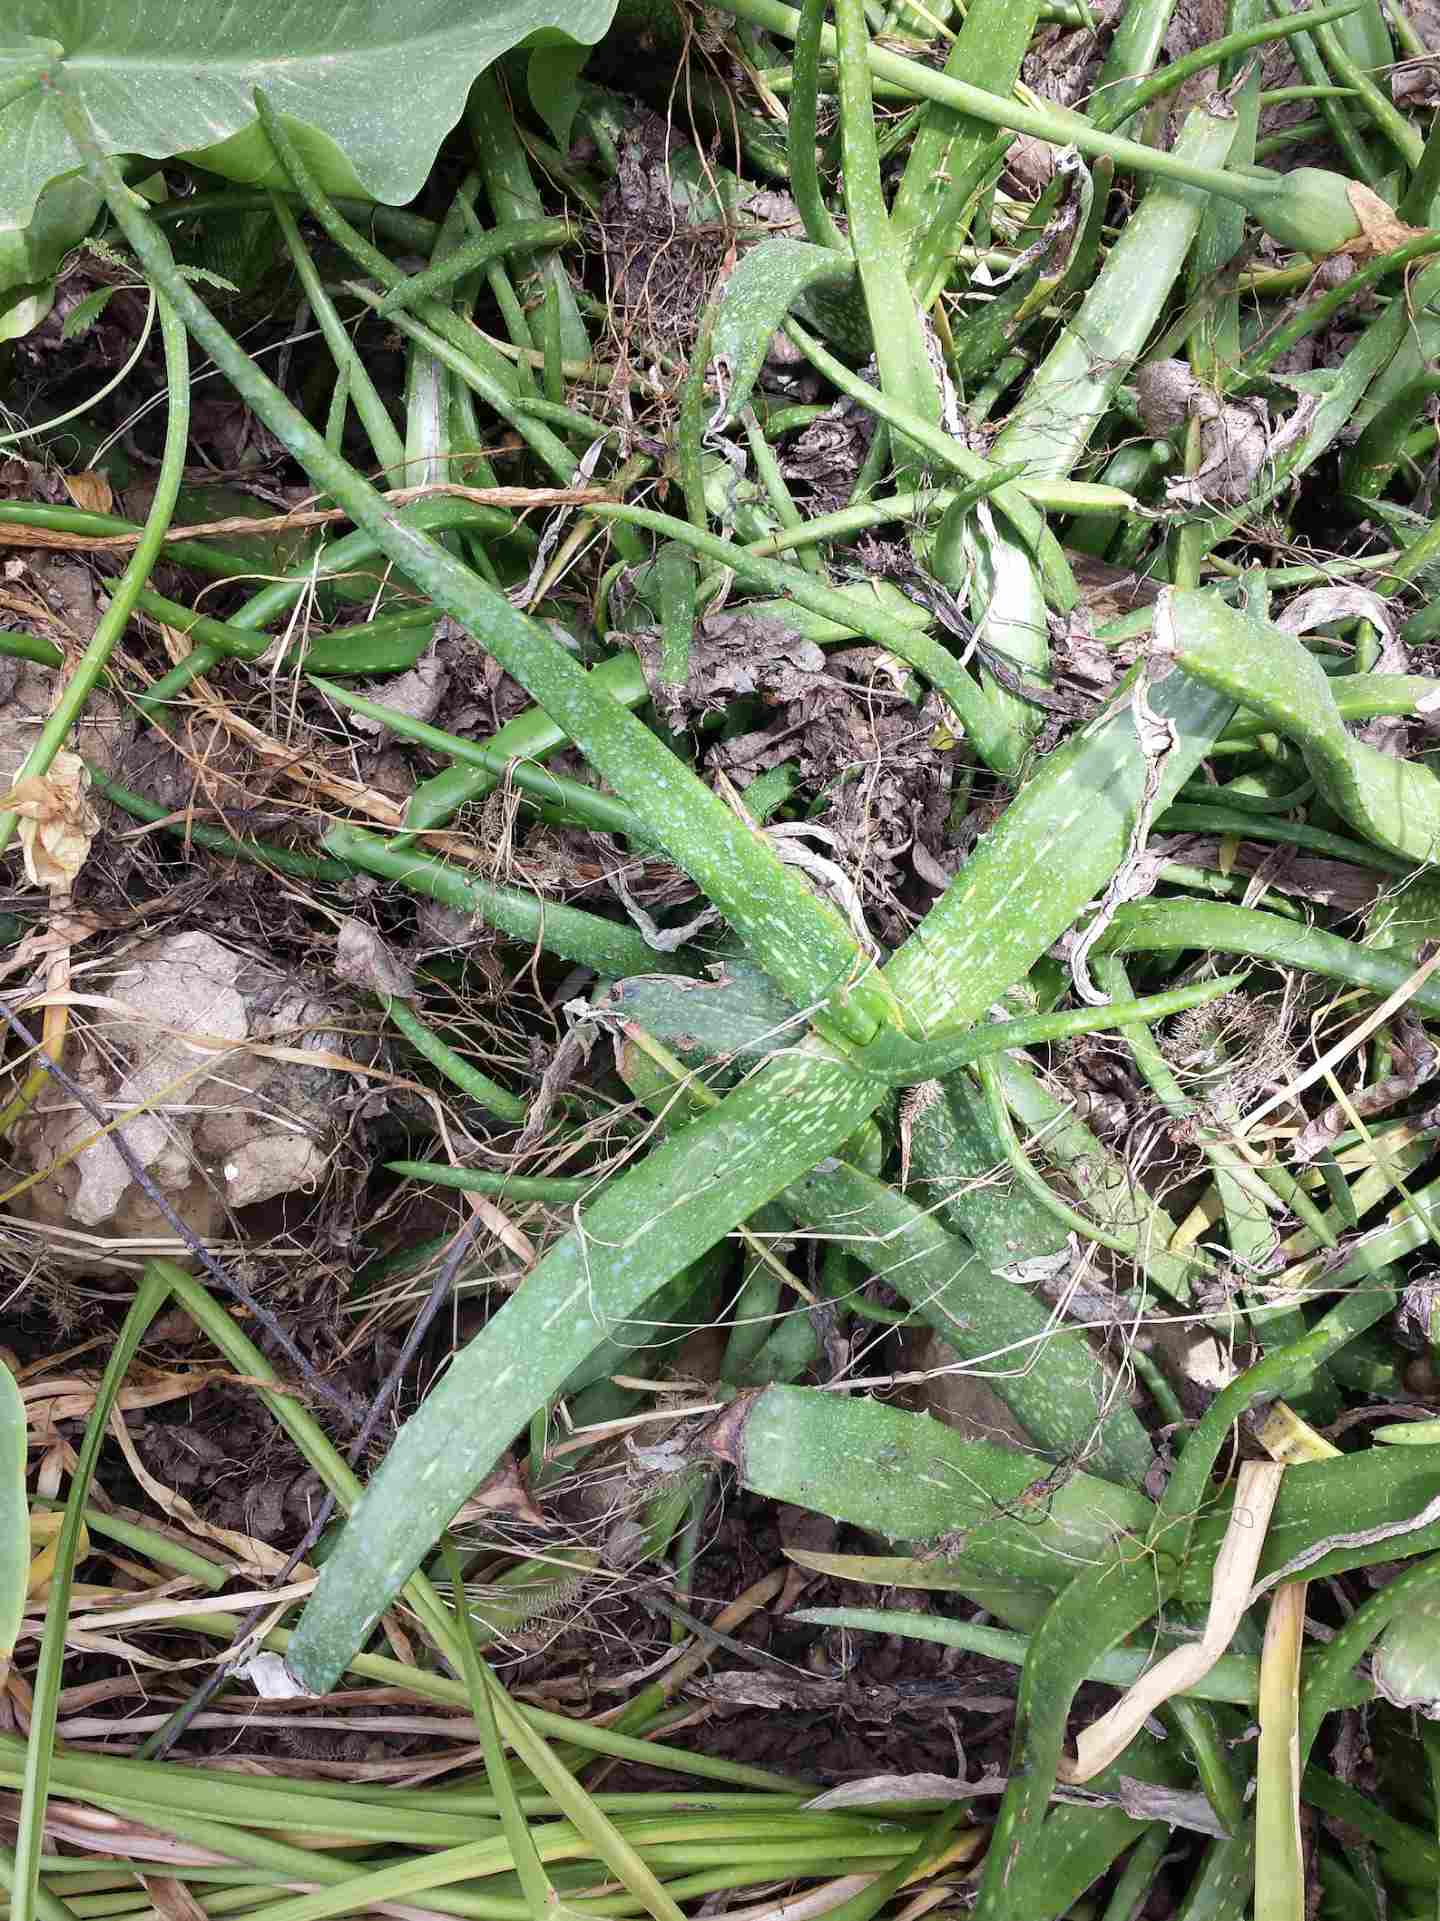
14,1515
950,154
954,1148
1045,1373
902,360
1106,1185
46,1679
768,280
1072,389
375,91
1395,803
906,1477
663,1215
1109,1601
570,932
1031,875
1169,926
964,1507
1407,1657
739,1018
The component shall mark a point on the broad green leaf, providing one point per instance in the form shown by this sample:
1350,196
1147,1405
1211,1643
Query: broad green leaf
552,76
380,83
63,216
765,285
1395,803
14,1515
1045,1373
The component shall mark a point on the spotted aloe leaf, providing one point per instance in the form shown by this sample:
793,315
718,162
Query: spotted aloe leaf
1394,803
768,281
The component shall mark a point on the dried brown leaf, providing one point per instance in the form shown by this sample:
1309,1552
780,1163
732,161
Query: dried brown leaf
1381,228
57,822
90,491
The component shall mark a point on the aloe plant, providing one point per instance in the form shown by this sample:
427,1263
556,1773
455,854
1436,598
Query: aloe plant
910,1119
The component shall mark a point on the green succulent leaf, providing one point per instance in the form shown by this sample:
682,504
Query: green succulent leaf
766,284
553,76
1394,803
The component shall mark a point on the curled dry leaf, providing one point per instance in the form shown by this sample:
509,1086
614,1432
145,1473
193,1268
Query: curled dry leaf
1234,436
417,693
57,822
1099,1744
1381,228
171,1899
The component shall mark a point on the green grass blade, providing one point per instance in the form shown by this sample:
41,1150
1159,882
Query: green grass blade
539,1893
14,1515
150,1297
